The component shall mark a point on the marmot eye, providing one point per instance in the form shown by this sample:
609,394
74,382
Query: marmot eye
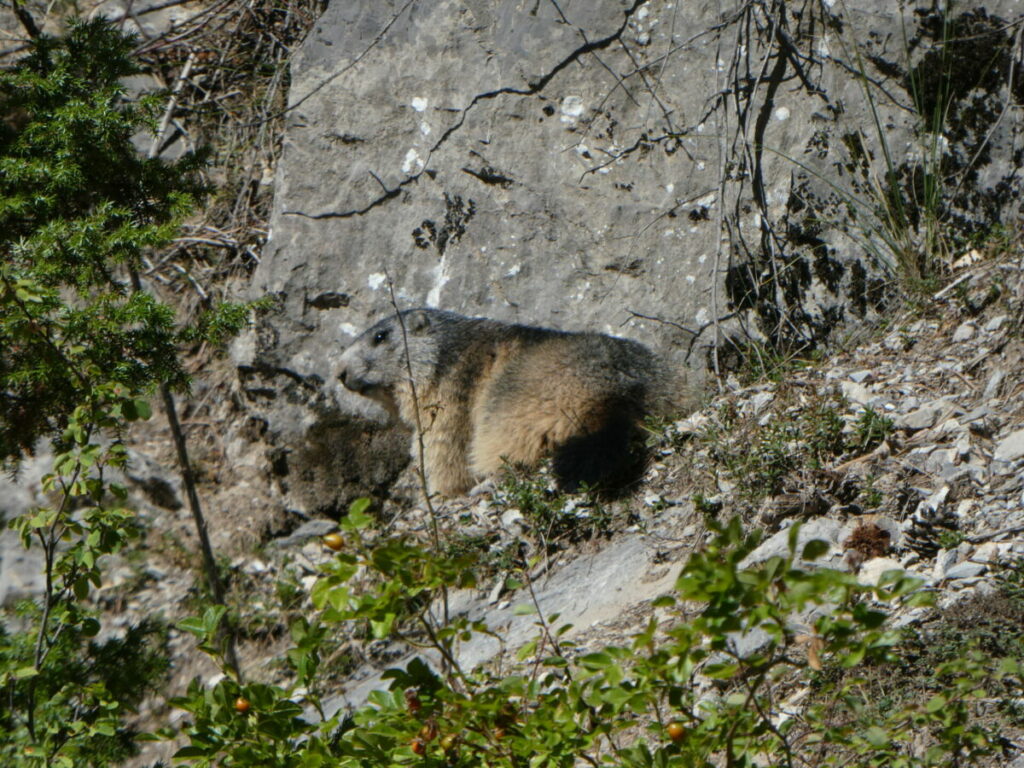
379,337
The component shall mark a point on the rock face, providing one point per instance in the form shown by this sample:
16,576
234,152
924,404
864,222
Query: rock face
641,168
21,570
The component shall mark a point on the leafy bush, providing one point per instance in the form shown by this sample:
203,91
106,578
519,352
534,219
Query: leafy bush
699,686
78,208
82,349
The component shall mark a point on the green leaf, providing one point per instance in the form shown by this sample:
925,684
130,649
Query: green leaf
104,728
318,594
527,650
25,672
192,751
381,628
876,737
722,670
936,703
205,625
814,549
81,587
853,657
357,518
137,410
596,661
90,627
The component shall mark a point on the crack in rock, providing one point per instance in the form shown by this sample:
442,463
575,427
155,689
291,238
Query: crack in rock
531,90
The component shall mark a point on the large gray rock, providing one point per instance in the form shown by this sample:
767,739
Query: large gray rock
584,163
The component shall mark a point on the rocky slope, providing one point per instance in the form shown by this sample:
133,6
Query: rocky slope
682,173
904,451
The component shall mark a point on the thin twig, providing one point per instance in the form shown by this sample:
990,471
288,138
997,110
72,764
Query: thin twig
181,446
444,645
172,102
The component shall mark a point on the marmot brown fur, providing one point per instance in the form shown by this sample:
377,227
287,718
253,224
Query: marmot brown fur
490,392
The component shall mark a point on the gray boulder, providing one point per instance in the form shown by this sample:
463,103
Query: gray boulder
648,169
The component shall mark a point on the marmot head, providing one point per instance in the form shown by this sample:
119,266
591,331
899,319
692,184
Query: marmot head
375,363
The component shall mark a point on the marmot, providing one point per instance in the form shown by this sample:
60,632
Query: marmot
491,392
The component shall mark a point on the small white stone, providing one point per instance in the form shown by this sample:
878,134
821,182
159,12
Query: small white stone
995,323
986,552
965,332
966,570
412,162
944,560
1011,447
761,400
511,517
856,393
994,382
572,108
871,571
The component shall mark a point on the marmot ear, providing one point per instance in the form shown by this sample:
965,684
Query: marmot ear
417,321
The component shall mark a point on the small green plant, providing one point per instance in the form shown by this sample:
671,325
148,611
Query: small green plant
760,457
870,429
948,539
762,361
706,507
1010,574
822,429
680,692
554,516
481,550
64,699
871,497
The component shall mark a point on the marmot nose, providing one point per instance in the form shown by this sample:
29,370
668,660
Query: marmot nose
342,376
